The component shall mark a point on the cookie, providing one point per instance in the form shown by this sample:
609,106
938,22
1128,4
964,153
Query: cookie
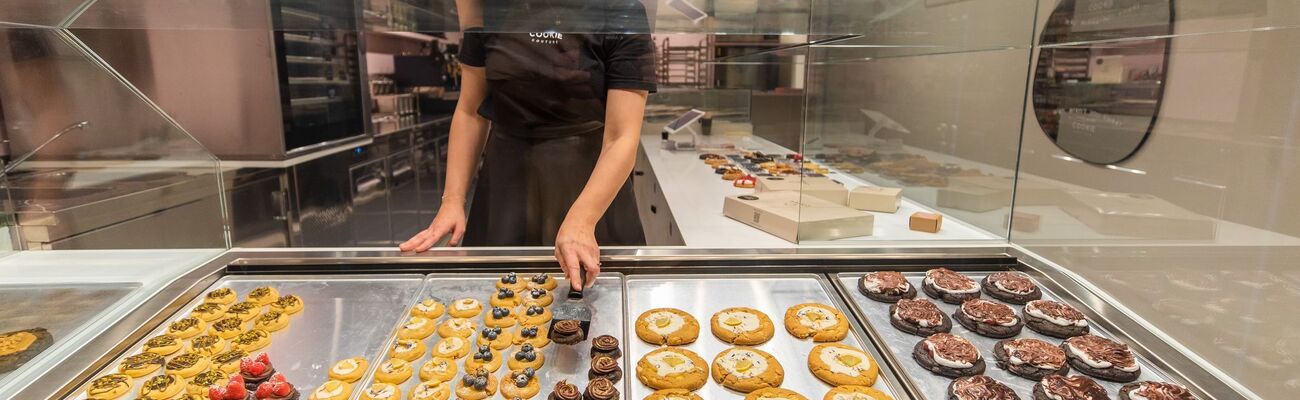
453,347
483,358
395,371
988,318
162,387
1101,358
1011,287
820,322
504,298
741,326
1054,319
207,345
526,357
108,387
511,281
381,391
1030,358
979,387
672,368
605,345
227,328
223,296
497,338
1148,390
949,286
600,389
465,308
349,369
162,345
746,369
431,390
428,308
672,394
542,281
438,369
540,296
500,317
229,361
288,304
838,364
948,355
534,335
244,310
251,341
567,331
476,386
605,367
668,326
186,328
186,365
408,349
271,321
332,390
919,317
1077,387
199,384
565,391
457,327
208,312
533,314
140,364
774,394
853,392
886,286
520,384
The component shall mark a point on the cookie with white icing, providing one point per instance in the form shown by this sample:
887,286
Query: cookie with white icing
465,308
989,318
980,387
1149,390
1054,319
886,286
1011,287
774,394
838,364
948,355
1077,387
949,286
919,317
668,326
746,369
854,392
1030,358
1101,358
672,368
742,326
820,322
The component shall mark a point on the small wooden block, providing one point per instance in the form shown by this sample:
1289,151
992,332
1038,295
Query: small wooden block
1021,221
925,222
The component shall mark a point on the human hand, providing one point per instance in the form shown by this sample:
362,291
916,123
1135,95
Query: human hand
449,221
575,249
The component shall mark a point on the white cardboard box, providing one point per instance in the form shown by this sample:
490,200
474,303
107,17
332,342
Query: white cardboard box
820,187
790,216
879,199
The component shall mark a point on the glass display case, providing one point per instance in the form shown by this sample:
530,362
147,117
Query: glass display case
1129,160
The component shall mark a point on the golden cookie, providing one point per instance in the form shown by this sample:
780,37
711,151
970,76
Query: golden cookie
483,358
465,308
208,312
852,392
512,281
227,328
162,387
500,317
521,384
672,368
408,349
349,369
263,295
288,304
382,391
251,341
540,296
774,394
162,345
207,345
332,390
431,390
458,327
477,386
817,321
429,308
395,371
186,365
228,362
244,310
534,335
505,298
746,369
542,281
438,369
186,328
668,326
108,387
140,364
497,338
527,357
742,326
223,296
533,314
453,347
673,394
271,321
838,364
198,384
417,328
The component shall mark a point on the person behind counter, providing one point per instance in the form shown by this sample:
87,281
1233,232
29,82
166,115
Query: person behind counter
563,84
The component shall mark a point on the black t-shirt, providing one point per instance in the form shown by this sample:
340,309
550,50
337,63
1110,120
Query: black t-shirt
545,82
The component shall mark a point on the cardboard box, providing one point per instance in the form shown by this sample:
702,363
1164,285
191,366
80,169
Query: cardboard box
925,222
820,187
1139,216
1021,221
879,199
964,196
790,216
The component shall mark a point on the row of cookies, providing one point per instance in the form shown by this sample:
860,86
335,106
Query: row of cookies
954,356
205,347
742,325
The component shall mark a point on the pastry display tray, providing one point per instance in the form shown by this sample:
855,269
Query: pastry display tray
343,316
702,295
934,387
65,309
562,362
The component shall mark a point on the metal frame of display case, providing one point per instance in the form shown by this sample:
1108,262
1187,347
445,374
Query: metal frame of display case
81,363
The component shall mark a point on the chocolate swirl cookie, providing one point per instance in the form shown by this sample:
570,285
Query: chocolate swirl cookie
1030,358
605,367
1054,319
949,286
886,286
1078,387
605,345
948,355
989,319
1150,390
565,391
600,389
1101,358
1011,287
919,317
567,332
979,387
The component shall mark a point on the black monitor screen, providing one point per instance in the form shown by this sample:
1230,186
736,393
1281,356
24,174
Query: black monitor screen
418,70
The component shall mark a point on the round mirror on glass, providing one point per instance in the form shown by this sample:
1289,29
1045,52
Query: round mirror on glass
1100,75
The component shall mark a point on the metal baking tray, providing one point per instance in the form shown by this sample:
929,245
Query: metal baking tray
875,316
65,309
343,316
703,295
562,362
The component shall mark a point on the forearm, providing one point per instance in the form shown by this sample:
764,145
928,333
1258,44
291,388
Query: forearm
622,138
464,147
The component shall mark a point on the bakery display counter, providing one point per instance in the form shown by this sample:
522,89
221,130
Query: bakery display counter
24,334
358,324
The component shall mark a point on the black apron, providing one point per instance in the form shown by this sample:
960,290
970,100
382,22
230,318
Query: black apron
546,101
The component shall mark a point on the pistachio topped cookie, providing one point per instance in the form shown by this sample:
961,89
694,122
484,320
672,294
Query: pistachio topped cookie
668,326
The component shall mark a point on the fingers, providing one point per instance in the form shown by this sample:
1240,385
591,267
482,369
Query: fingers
569,263
414,241
590,259
457,233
